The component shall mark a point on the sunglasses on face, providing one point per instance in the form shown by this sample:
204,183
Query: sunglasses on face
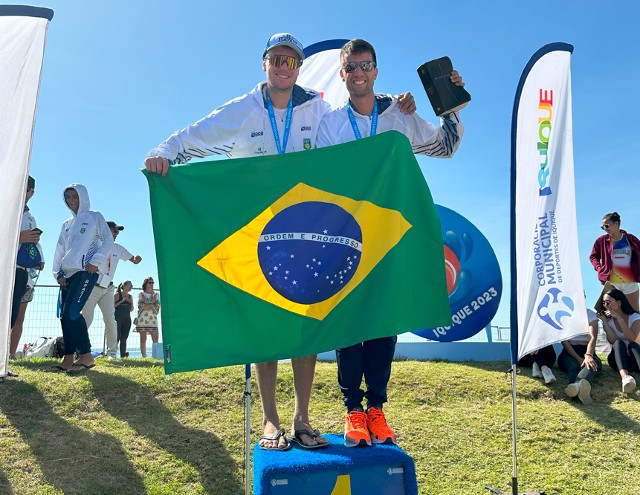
605,226
606,303
279,60
365,65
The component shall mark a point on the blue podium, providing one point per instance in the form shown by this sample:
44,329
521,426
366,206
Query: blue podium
335,470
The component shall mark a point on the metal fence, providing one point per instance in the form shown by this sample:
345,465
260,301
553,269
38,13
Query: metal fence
41,321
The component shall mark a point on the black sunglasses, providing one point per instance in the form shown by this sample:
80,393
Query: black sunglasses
605,226
365,65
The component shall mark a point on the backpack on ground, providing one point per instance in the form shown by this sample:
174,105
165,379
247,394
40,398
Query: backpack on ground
43,347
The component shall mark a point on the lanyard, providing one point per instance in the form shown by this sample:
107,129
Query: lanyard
374,120
274,125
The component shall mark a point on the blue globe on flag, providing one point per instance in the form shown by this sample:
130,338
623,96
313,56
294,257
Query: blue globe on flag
309,251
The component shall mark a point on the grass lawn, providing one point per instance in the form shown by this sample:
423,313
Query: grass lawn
124,429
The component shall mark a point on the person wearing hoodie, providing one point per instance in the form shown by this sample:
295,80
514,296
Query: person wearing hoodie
81,255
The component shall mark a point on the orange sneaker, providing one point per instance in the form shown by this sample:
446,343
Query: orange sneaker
356,432
378,427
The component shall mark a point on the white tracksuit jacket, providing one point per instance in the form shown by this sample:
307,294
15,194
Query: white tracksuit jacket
84,238
425,138
241,128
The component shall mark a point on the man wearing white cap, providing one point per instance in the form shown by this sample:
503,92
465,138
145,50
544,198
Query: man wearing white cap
102,293
277,116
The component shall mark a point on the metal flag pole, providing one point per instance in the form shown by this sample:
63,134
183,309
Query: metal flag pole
514,439
247,428
514,476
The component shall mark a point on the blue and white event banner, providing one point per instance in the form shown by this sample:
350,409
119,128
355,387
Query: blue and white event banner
547,297
23,31
321,71
474,281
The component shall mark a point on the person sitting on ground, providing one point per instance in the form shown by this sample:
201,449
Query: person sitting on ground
622,325
540,362
579,360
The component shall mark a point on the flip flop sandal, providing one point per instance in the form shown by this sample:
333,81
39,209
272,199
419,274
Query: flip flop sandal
79,368
55,369
313,434
276,436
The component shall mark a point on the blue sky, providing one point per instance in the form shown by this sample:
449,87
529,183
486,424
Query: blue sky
119,77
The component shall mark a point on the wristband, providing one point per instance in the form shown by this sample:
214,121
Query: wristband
588,354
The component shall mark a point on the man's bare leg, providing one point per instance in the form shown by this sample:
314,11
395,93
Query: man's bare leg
16,331
266,375
303,372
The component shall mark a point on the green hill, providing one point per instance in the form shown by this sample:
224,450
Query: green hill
124,429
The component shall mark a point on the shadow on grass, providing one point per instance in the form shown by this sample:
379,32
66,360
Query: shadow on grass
605,390
133,403
71,459
5,485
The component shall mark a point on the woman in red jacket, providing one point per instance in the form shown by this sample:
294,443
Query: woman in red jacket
616,258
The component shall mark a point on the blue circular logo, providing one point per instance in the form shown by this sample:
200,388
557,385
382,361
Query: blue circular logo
555,306
474,280
309,251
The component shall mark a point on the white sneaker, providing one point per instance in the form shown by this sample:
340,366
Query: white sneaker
628,384
535,371
584,393
572,390
111,358
548,375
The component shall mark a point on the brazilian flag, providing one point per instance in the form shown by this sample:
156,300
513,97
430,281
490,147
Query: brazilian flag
284,256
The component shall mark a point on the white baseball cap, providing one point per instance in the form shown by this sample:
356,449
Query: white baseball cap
284,39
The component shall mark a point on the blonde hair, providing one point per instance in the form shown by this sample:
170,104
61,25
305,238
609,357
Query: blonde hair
119,289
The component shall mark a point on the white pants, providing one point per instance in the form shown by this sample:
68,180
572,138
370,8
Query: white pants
103,297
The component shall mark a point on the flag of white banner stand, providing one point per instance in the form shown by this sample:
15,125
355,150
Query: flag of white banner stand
547,302
547,296
321,71
23,31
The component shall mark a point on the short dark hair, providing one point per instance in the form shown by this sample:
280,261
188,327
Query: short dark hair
612,217
625,305
31,184
357,46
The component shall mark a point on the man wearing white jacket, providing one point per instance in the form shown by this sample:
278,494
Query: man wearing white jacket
365,114
102,293
275,117
82,252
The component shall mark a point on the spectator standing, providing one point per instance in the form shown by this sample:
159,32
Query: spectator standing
123,304
25,275
148,309
615,256
82,251
102,293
